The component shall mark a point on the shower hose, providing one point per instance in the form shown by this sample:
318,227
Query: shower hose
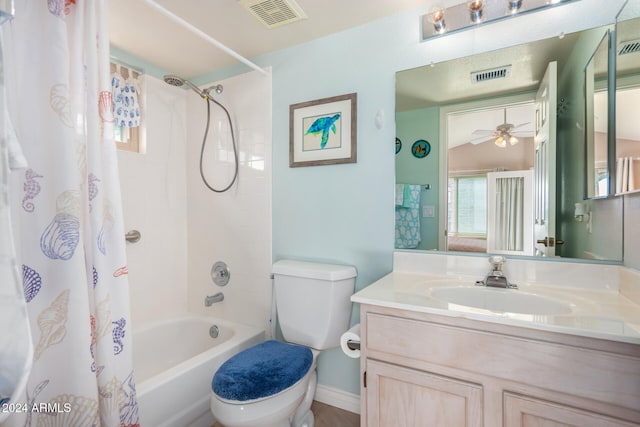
204,142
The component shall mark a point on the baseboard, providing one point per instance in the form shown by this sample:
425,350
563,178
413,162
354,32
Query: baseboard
338,398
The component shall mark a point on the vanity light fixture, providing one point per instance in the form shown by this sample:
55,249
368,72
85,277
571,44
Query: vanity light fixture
475,10
436,17
472,13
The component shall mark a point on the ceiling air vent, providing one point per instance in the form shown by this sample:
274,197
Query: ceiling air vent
492,74
274,13
632,46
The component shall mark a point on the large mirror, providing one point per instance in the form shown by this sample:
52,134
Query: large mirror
490,154
627,151
598,99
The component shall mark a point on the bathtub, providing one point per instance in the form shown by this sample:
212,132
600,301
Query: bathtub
174,362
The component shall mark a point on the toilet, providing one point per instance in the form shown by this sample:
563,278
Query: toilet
272,384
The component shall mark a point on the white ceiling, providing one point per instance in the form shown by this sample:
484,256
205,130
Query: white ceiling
139,29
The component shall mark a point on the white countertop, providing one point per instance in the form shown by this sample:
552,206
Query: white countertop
597,313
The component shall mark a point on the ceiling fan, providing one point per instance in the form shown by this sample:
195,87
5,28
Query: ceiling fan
503,133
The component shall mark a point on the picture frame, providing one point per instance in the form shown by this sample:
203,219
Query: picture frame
323,131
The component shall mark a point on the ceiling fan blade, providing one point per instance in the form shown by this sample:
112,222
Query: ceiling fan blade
525,133
520,125
483,132
482,139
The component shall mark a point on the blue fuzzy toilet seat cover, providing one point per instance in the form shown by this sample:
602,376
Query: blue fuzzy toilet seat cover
261,371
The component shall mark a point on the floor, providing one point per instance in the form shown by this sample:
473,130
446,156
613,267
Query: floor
329,416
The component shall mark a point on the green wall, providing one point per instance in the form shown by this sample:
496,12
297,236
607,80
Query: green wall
605,241
410,127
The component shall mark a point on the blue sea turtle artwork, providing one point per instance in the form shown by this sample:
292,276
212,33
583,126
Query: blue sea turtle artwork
323,125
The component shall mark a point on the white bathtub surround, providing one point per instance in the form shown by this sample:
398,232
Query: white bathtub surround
592,293
185,227
235,226
174,361
154,194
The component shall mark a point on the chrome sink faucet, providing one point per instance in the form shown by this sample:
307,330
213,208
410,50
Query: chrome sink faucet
496,278
211,299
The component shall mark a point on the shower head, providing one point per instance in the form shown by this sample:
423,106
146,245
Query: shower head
174,80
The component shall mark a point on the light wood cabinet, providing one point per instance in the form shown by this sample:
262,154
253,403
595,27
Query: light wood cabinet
523,411
422,369
403,397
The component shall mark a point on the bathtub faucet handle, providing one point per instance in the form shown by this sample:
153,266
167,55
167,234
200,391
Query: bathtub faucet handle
211,299
220,273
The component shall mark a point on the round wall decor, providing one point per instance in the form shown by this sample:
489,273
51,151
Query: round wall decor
398,145
421,148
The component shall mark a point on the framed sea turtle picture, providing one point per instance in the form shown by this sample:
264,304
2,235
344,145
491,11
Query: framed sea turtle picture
323,131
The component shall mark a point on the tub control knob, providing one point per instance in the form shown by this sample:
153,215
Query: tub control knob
220,273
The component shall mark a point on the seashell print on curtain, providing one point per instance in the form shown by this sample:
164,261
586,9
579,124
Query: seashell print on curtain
71,233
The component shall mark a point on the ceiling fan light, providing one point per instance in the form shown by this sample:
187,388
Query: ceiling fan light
501,142
513,140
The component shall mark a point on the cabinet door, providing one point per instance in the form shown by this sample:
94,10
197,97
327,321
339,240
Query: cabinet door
523,411
403,397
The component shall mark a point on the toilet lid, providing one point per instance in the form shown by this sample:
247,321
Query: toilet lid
261,371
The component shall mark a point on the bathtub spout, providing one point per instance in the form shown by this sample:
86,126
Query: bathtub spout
211,299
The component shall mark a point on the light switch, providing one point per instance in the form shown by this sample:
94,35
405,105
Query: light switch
428,211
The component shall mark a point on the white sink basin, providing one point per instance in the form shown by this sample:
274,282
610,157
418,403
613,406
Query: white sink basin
500,300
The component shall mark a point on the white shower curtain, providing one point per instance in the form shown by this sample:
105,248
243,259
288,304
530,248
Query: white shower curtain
509,214
625,180
71,231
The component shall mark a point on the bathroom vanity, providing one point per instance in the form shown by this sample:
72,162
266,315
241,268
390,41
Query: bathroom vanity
568,354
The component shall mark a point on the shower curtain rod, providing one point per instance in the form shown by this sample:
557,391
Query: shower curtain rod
204,35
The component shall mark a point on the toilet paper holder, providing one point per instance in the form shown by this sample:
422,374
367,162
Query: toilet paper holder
353,345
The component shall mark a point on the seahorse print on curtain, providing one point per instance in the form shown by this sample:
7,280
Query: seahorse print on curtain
71,225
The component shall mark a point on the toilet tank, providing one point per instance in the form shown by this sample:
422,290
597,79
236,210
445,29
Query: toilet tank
313,301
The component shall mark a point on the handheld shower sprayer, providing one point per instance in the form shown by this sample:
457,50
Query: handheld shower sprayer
179,81
174,80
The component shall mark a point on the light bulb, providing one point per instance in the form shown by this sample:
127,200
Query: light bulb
513,140
475,9
436,17
500,142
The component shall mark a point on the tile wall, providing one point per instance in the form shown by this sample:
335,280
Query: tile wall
155,203
235,226
185,227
